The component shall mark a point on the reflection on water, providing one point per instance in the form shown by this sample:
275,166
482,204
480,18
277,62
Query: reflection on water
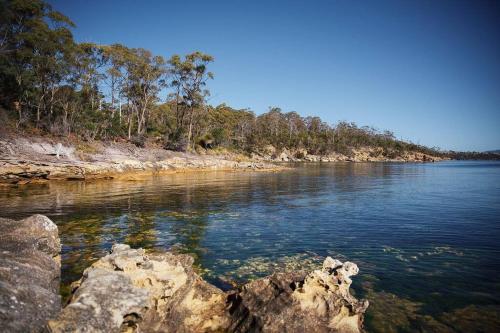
424,235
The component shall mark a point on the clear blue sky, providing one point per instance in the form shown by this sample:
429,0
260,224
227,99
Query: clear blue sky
427,70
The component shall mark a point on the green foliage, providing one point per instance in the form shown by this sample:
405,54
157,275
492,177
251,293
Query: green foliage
188,79
50,82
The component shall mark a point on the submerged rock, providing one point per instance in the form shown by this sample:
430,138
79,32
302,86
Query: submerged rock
29,274
129,290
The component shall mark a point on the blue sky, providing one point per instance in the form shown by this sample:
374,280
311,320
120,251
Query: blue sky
427,70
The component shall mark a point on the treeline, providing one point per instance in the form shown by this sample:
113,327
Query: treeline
473,155
95,91
52,83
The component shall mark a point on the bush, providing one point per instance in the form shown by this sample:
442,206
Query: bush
206,141
180,144
139,141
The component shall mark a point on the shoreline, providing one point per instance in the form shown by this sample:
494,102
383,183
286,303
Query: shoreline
21,172
25,160
130,290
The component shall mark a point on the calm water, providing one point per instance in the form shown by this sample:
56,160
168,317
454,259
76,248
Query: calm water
425,236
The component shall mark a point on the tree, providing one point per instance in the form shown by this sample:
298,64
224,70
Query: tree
34,50
66,88
145,81
87,62
115,58
189,77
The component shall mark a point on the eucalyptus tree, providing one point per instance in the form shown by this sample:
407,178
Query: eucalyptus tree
34,50
115,56
56,84
295,128
227,126
87,64
189,77
144,81
69,102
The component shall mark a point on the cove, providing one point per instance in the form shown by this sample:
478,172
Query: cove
425,236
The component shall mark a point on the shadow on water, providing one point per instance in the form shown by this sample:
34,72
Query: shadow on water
424,235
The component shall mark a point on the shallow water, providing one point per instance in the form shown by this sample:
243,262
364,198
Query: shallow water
425,236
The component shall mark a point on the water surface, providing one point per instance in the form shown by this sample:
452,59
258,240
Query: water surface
425,236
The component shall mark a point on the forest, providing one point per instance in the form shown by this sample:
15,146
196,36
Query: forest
51,84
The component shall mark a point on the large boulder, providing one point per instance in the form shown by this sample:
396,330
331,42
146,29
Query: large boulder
130,290
298,302
29,274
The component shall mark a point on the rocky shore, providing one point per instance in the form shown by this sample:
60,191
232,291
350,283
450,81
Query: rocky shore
24,160
364,154
39,159
130,290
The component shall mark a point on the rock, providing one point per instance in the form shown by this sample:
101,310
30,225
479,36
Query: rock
284,156
312,158
256,157
269,150
301,153
134,291
18,172
29,274
296,302
131,291
427,158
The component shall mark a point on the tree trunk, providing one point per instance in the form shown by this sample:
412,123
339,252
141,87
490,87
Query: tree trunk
190,126
112,97
139,121
129,127
65,119
17,106
129,117
38,115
